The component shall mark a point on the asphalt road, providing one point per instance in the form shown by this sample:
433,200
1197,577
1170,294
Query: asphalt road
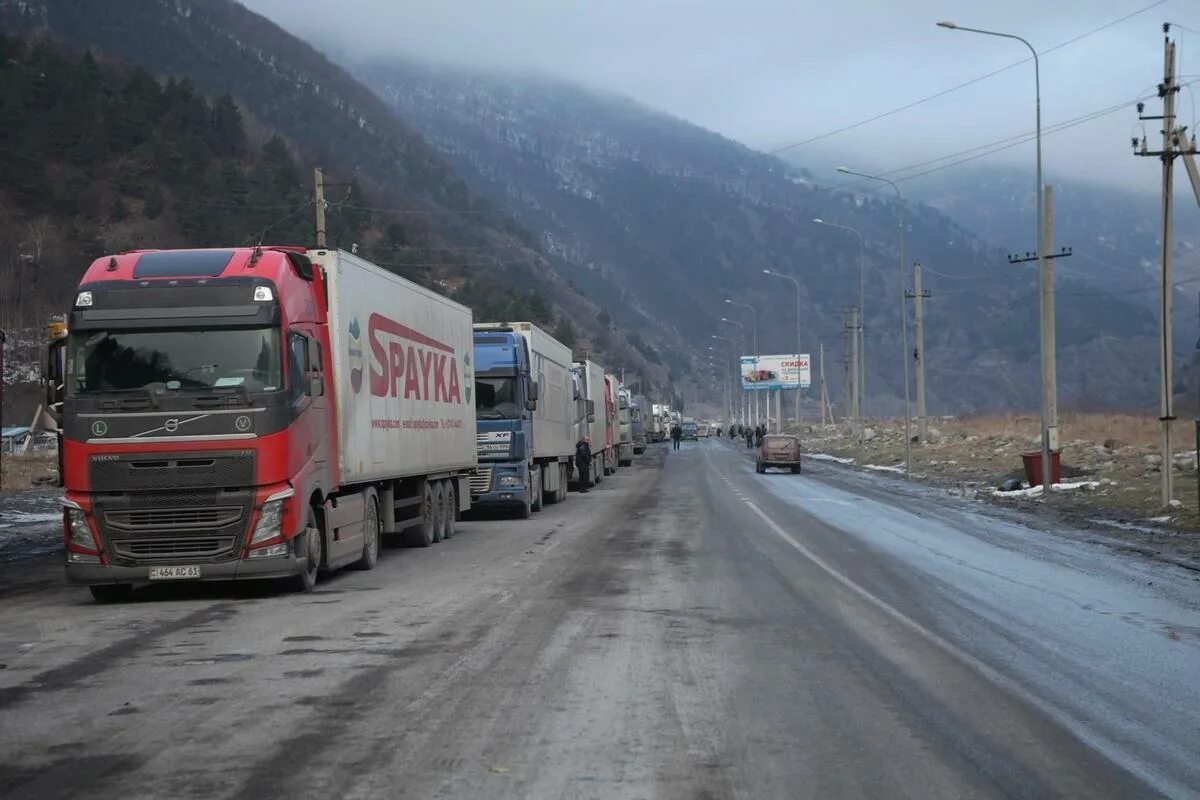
688,630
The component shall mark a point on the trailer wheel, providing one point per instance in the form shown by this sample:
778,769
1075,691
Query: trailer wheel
112,592
422,534
449,511
313,544
535,489
439,500
371,535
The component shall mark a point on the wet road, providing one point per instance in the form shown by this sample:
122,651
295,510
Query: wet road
689,629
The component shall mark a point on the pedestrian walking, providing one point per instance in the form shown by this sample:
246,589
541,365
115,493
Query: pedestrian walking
583,462
749,438
676,436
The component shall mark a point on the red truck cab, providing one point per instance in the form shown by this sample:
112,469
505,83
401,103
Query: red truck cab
197,431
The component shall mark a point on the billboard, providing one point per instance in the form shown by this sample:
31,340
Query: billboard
776,372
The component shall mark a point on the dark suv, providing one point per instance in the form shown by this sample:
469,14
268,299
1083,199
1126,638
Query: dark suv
778,450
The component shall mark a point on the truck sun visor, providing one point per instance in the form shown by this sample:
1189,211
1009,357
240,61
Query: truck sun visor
182,264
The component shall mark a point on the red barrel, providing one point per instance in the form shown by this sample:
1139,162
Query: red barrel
1033,467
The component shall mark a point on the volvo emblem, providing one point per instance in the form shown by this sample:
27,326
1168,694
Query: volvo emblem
171,425
99,428
242,423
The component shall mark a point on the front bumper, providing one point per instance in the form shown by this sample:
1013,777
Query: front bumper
509,496
240,569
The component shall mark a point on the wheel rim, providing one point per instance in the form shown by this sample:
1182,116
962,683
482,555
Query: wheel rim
448,510
372,542
314,549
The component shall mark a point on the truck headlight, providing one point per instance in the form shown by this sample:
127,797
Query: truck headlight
512,480
270,522
270,518
79,534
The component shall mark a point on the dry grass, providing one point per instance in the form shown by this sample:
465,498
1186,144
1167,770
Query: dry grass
1118,451
20,472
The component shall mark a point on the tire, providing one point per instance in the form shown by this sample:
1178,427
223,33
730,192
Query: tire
795,469
372,535
759,468
598,472
112,592
312,540
422,535
552,498
439,507
526,511
449,511
536,499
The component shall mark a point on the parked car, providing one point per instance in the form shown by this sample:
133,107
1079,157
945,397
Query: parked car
778,450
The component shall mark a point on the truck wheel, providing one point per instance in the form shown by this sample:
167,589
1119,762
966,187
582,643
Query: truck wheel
112,592
597,473
796,468
422,534
371,535
313,544
439,501
535,489
449,511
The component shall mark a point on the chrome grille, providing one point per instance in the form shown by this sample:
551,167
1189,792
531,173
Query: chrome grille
159,519
481,480
206,546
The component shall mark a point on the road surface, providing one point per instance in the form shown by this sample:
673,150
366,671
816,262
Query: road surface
688,630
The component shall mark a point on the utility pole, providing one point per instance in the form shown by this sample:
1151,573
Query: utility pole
1048,353
1175,143
319,203
824,401
918,295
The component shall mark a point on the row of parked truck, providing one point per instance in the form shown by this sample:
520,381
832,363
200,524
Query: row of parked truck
273,412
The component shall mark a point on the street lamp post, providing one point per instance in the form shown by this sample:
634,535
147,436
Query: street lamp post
754,330
1049,379
862,337
732,345
742,339
903,315
795,283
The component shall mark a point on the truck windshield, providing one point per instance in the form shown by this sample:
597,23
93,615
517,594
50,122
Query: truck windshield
496,398
172,359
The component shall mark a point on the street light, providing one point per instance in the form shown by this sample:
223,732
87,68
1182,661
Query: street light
795,283
744,405
862,337
754,329
903,314
1049,380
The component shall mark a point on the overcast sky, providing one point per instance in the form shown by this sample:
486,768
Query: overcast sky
773,72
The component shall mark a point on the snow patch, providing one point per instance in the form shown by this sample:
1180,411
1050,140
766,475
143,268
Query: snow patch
827,457
883,468
1035,491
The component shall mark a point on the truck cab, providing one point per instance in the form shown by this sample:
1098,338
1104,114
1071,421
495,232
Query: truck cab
194,411
505,400
526,412
624,427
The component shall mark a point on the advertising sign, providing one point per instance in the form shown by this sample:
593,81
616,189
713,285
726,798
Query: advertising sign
776,372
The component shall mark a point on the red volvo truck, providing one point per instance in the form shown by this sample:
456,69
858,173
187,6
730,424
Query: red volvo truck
265,412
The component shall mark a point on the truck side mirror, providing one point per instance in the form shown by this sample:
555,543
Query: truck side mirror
533,390
316,386
591,410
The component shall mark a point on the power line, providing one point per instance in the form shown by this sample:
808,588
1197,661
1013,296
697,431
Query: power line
963,85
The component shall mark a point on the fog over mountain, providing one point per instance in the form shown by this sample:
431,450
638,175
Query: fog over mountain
770,73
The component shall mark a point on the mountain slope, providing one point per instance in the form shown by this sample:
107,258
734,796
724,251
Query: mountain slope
428,224
665,220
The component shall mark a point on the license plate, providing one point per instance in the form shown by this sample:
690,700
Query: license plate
173,573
